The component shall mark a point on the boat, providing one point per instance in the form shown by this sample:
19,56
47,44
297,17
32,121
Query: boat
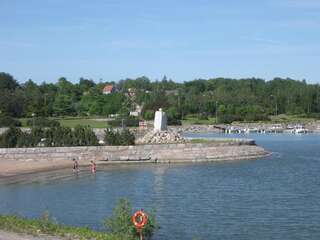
299,129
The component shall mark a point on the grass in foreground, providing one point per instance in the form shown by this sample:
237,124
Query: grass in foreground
119,226
44,226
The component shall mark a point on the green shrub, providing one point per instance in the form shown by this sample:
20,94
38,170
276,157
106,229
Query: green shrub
49,137
312,115
111,137
84,136
10,137
24,140
65,136
173,116
228,118
203,116
148,115
62,137
127,138
174,122
120,222
117,138
36,135
250,117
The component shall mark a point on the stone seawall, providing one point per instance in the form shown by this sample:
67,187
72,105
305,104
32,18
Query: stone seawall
19,160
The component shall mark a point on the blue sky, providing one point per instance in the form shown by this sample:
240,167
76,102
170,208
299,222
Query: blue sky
113,39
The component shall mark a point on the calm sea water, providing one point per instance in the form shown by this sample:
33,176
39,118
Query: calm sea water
273,198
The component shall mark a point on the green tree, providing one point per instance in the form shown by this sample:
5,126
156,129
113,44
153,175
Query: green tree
36,135
7,81
63,105
34,98
116,138
120,221
86,84
84,136
148,115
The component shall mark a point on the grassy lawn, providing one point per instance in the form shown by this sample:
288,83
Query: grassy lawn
72,122
23,121
189,120
283,118
45,226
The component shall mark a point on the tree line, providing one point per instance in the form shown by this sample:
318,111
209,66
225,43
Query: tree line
247,99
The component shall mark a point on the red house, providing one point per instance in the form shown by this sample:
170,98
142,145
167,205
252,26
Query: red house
108,89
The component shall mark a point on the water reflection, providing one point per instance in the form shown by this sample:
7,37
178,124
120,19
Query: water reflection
159,172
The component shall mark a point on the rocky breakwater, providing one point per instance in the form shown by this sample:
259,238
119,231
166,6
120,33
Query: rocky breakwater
161,137
170,147
210,151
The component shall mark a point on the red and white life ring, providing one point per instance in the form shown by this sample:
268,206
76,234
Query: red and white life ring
139,219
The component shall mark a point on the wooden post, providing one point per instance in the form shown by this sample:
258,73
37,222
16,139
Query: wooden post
141,234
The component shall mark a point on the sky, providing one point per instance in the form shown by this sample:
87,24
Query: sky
111,40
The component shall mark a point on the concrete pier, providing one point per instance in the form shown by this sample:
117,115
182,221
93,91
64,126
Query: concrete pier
24,160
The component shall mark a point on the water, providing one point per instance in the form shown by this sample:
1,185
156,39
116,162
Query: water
273,198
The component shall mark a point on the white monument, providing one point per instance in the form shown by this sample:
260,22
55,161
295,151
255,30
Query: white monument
160,121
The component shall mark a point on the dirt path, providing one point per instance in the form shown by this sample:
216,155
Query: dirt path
16,236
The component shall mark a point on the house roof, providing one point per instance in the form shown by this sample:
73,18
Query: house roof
108,88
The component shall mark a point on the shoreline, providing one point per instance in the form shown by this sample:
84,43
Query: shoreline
17,162
63,173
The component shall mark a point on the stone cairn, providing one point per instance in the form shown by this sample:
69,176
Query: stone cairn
161,137
160,134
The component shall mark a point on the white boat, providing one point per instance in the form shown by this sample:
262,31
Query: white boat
299,129
277,128
251,130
